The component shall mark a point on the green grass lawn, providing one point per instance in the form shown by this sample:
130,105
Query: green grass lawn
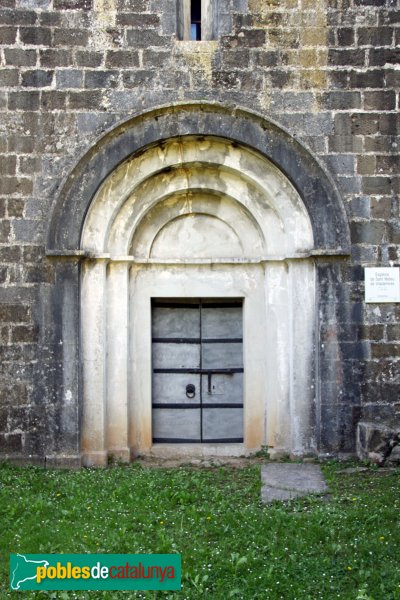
232,546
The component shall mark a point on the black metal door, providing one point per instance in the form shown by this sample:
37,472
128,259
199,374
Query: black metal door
197,371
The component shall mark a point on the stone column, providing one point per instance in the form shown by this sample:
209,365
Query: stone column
117,361
93,348
303,351
278,367
140,371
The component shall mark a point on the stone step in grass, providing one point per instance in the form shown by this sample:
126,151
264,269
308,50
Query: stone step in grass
284,481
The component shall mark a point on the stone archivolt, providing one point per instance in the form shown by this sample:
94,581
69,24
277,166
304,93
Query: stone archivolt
200,199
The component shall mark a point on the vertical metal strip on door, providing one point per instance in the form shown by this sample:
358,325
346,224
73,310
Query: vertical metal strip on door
197,371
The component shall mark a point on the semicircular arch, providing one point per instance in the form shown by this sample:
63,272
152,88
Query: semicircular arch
206,122
244,187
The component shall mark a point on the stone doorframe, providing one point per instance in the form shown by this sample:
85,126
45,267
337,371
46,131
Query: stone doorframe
113,254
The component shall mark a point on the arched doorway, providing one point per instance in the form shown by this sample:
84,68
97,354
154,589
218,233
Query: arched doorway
196,218
196,204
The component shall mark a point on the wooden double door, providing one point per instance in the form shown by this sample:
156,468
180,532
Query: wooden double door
197,362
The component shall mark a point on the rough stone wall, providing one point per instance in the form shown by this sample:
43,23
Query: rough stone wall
328,71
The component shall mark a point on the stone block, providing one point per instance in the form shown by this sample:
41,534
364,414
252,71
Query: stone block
132,79
381,208
53,100
9,77
50,19
341,164
292,102
371,332
23,17
368,232
345,143
37,78
383,56
369,2
284,481
261,58
375,36
378,186
62,461
137,19
34,4
101,79
13,313
341,100
393,333
73,4
87,58
8,164
389,17
71,37
84,100
5,230
32,254
3,420
385,351
381,143
55,58
375,441
313,36
35,36
24,334
128,59
10,442
354,58
145,38
394,253
367,79
388,164
15,185
8,35
22,144
23,100
9,254
69,78
345,37
389,124
253,38
366,164
19,57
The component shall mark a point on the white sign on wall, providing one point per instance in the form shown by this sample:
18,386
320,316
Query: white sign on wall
382,284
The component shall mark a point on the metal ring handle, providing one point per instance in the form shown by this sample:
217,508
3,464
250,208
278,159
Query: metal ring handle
190,390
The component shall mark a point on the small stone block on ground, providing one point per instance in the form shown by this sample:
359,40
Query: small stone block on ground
285,481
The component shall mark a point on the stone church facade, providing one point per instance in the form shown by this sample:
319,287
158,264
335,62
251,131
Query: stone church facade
190,192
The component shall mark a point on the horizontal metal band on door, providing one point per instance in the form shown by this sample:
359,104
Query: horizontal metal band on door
164,340
197,305
197,441
193,405
202,371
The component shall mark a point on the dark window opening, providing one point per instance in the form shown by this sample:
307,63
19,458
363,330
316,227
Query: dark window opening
195,20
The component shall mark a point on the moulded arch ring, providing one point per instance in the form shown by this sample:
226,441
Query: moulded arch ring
237,126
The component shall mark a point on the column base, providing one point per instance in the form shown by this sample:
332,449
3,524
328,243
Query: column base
95,459
120,455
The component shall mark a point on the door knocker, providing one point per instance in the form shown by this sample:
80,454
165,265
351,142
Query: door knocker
190,390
